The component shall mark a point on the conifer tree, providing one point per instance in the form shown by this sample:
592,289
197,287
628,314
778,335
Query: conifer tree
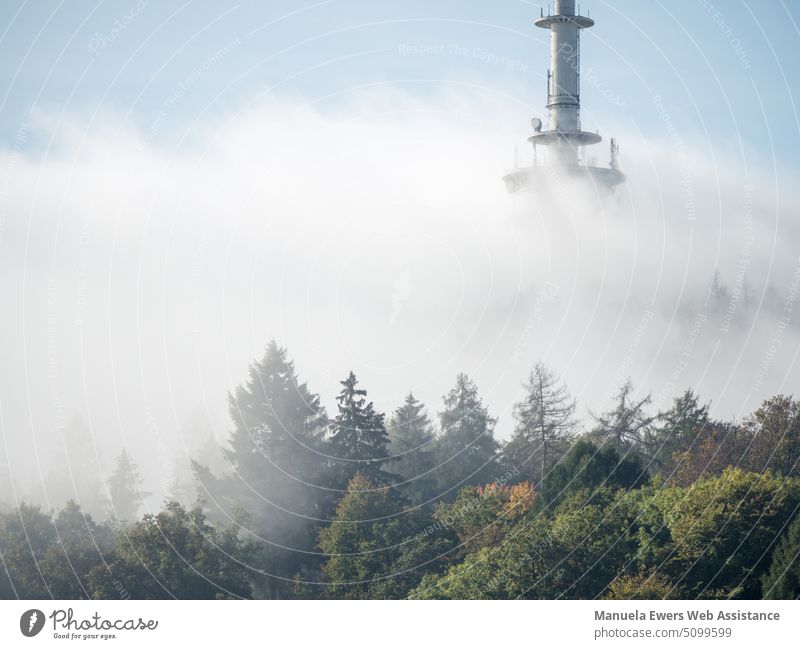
124,489
675,431
412,439
280,478
783,579
359,441
467,447
276,447
718,294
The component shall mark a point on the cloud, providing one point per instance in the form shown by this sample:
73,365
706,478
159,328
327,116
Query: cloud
375,236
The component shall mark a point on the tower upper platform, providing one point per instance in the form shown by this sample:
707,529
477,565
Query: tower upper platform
564,140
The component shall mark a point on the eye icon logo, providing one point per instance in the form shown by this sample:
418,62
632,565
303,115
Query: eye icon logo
31,622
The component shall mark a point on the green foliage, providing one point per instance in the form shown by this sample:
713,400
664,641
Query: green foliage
596,545
79,544
587,468
767,439
359,440
710,540
507,571
467,446
412,442
594,527
278,429
375,546
649,586
482,516
174,553
773,436
25,536
280,475
420,556
575,554
44,557
783,579
713,539
716,447
675,430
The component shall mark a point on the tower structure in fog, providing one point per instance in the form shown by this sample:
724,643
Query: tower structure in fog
564,139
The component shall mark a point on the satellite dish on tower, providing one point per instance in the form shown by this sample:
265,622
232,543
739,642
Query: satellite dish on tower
564,137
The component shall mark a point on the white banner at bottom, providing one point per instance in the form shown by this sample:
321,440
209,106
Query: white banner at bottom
398,625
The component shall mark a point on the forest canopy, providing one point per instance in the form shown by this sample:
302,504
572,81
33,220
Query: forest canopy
360,504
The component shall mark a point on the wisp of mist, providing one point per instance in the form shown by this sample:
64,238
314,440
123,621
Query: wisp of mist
146,271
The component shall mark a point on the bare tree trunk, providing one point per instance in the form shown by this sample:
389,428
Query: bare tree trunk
542,429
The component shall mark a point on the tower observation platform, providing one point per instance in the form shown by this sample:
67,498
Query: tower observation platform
564,140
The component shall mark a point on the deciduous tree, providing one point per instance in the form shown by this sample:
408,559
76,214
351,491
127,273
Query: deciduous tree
546,421
175,553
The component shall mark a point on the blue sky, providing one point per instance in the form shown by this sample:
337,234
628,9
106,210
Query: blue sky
725,69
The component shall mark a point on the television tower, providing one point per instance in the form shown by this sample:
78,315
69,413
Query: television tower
564,138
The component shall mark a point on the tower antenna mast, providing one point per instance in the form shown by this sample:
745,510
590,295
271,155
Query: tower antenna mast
564,138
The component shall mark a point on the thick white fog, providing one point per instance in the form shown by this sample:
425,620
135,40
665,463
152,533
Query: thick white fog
142,271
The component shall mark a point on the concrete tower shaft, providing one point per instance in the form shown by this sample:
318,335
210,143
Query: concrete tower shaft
564,138
563,89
